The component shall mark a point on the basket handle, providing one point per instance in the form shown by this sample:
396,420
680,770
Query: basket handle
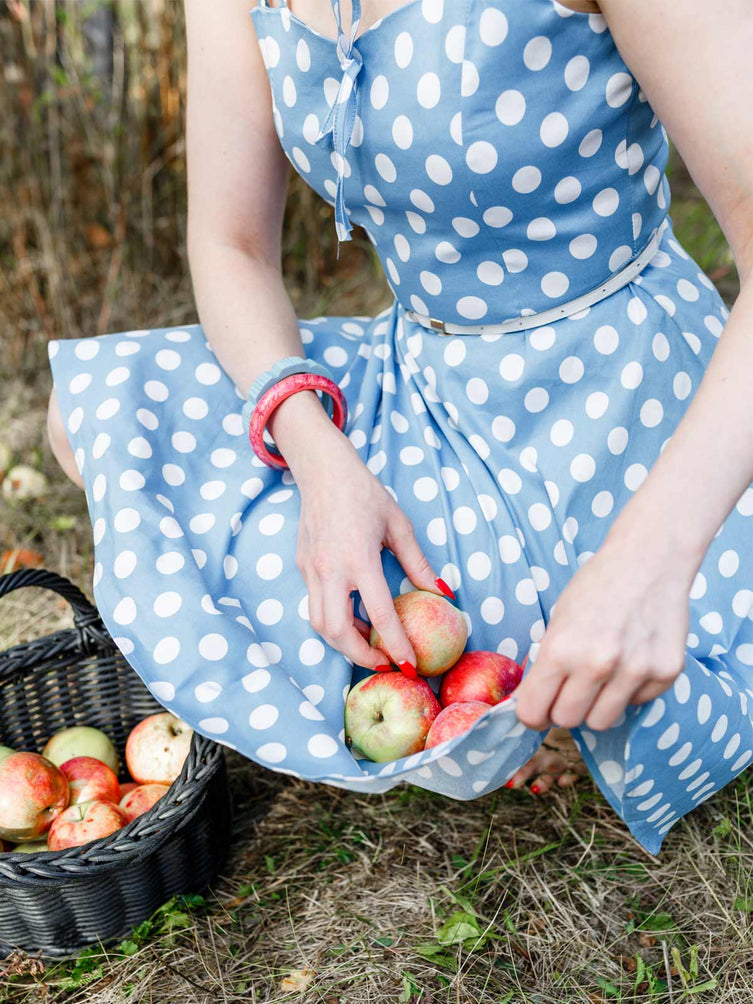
85,616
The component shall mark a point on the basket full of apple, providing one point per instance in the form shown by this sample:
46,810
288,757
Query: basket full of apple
390,714
109,805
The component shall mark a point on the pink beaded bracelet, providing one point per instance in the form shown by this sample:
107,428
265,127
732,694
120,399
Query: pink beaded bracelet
276,395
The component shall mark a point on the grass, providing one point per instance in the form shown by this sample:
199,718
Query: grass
328,896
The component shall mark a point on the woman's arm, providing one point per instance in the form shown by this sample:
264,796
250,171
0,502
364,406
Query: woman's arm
617,644
237,184
237,181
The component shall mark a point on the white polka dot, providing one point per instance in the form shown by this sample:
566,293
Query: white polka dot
510,107
493,26
213,647
537,52
554,129
263,717
322,746
207,374
481,157
311,652
272,752
125,611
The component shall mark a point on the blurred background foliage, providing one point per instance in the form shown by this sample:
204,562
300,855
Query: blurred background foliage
93,185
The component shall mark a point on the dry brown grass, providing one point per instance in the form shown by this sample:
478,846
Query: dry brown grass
553,902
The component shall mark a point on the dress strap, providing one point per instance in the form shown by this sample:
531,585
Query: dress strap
342,113
355,17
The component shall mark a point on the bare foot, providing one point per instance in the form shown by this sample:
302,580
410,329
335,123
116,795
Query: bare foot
557,759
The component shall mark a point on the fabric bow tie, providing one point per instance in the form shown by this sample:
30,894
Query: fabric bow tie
341,119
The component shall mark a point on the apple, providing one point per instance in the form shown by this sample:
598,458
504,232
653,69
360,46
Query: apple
388,716
4,752
83,822
90,779
142,798
435,628
157,748
125,788
480,676
33,792
454,720
81,740
31,847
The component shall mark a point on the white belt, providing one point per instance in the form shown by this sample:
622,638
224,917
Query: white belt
616,281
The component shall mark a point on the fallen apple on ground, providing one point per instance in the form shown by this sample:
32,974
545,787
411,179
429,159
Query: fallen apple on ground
454,720
142,798
435,628
480,676
157,747
84,822
33,792
90,779
388,716
81,740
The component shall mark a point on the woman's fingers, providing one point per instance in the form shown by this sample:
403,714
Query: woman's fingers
614,696
574,700
536,694
377,599
339,627
401,539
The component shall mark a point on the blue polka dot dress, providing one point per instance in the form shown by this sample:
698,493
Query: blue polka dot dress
503,160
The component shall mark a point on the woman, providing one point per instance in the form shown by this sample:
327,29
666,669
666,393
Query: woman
546,417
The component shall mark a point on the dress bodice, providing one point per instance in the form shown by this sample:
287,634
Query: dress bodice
499,154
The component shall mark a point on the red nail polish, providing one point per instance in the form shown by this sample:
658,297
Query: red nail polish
510,783
408,670
383,667
535,789
441,584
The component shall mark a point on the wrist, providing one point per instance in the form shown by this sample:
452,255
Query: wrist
659,542
297,421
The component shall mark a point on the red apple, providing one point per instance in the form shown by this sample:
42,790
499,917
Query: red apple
81,740
125,788
33,792
157,748
90,779
480,676
83,822
454,720
142,798
435,628
387,716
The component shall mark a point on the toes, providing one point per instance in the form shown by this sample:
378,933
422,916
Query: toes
541,784
566,780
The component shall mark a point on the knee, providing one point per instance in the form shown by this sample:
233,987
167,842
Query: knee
58,440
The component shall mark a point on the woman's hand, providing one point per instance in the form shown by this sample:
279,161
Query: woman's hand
617,636
347,515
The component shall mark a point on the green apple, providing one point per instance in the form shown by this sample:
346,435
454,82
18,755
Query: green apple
81,740
388,716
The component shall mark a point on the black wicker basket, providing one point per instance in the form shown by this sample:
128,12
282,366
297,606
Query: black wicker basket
59,903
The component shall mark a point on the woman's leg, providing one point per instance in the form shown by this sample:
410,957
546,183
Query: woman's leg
59,441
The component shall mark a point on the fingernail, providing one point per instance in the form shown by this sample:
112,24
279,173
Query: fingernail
408,669
441,584
510,784
383,667
535,789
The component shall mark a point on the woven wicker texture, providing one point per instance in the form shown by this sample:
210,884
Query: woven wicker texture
58,903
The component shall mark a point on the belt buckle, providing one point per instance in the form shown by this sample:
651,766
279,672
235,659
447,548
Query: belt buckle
437,325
